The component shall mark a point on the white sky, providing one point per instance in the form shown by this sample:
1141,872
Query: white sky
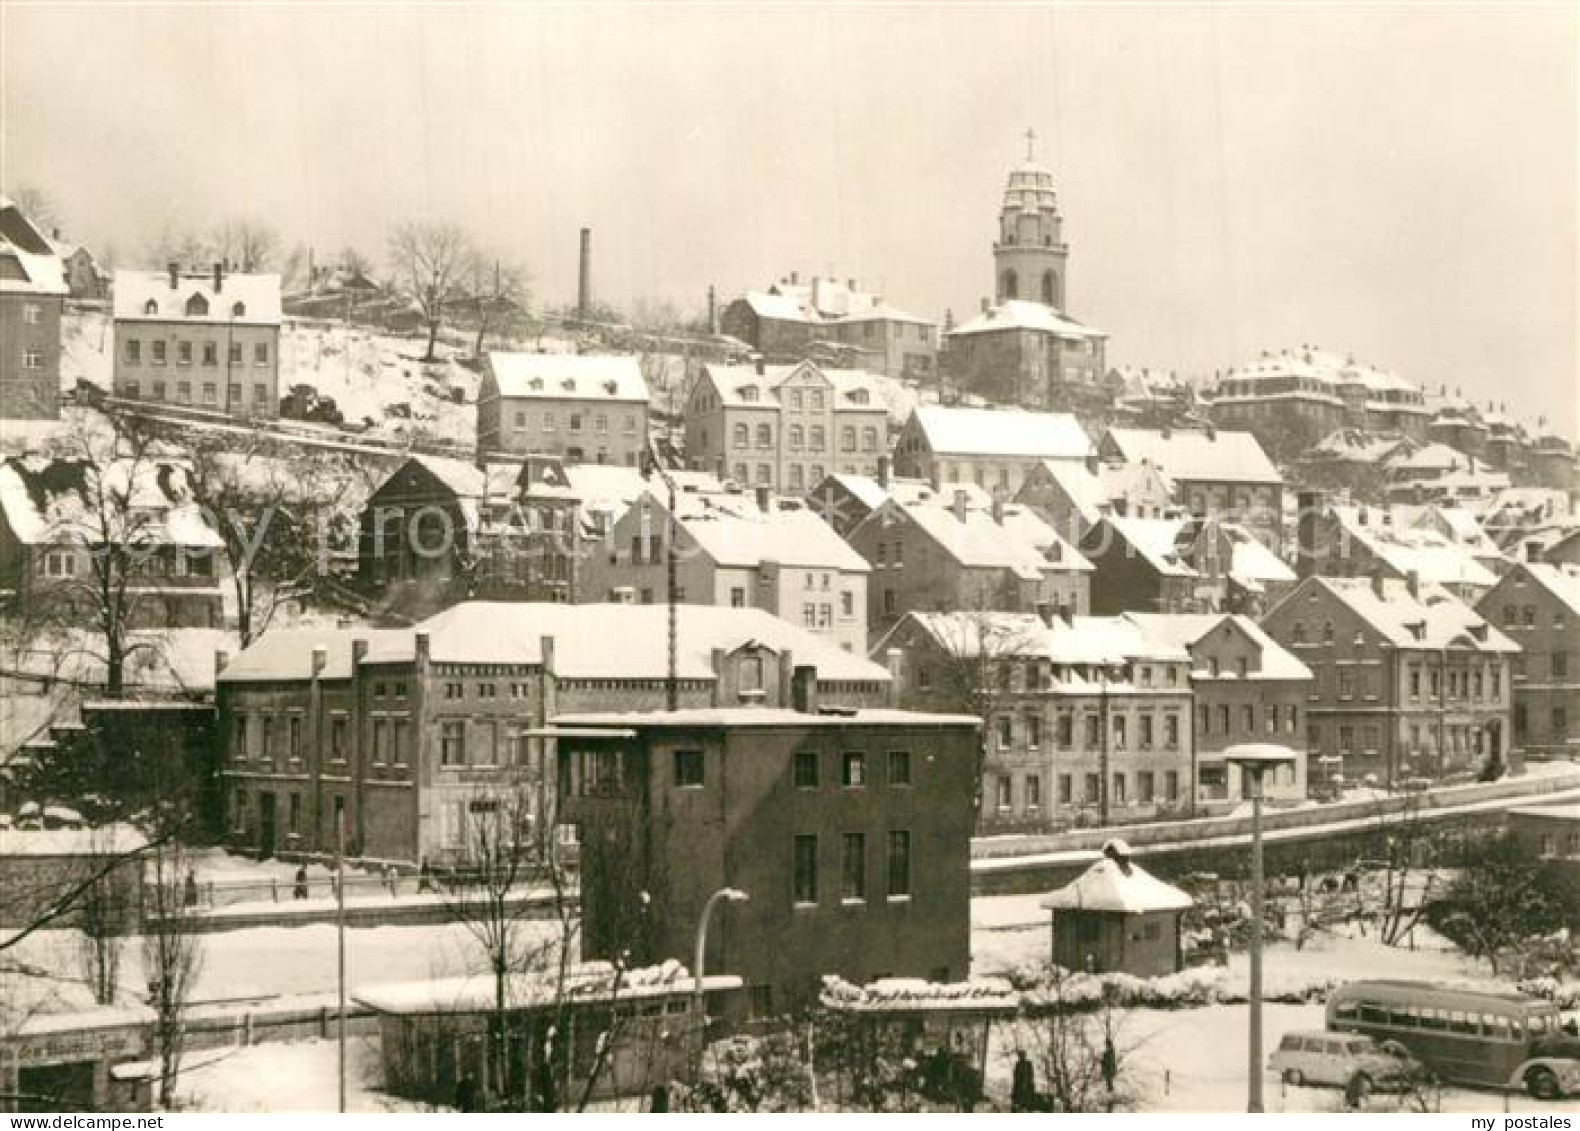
1396,182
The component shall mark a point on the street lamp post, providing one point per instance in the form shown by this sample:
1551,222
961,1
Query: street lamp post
1254,758
699,1002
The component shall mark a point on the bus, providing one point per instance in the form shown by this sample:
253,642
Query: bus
1484,1038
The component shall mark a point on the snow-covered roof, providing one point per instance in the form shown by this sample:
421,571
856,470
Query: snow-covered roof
1325,370
780,307
1104,641
907,995
109,840
242,299
1188,629
1008,432
1423,551
600,378
1118,886
734,531
760,717
1018,314
29,264
744,386
1435,619
1563,582
1018,541
1206,455
1432,457
1156,540
149,502
599,641
586,982
1360,445
883,312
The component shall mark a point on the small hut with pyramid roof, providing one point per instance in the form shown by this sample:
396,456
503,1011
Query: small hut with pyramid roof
1118,917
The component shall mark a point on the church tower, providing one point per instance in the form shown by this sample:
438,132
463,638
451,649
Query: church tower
1029,255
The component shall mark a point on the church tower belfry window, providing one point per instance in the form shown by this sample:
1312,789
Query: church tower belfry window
1030,256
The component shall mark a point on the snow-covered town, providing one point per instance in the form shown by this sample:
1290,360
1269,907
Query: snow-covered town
587,612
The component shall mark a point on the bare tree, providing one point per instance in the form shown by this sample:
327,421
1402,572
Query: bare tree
245,244
429,261
172,957
1081,1056
184,246
102,923
496,291
1506,901
37,205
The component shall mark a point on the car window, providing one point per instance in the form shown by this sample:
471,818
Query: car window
1358,1048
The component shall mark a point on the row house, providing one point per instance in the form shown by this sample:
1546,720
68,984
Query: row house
33,289
928,556
845,501
1248,689
1537,605
849,832
1072,497
1353,461
785,427
1407,681
59,516
1437,545
1088,719
402,736
580,407
1176,565
739,551
995,449
208,341
1216,474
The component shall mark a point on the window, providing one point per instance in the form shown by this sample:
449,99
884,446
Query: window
260,394
1120,724
1119,789
158,348
853,868
400,742
899,767
1006,732
1171,731
32,314
260,353
688,769
1248,718
797,435
1144,787
380,741
1094,732
1560,665
1171,785
818,443
1560,722
738,597
1223,718
806,769
1066,789
296,813
1033,792
1146,732
805,869
235,353
295,747
765,436
1346,683
184,353
240,746
452,743
853,769
899,864
134,352
1064,730
1094,789
1003,795
847,604
869,439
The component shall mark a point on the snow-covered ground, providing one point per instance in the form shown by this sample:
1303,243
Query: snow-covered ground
286,1076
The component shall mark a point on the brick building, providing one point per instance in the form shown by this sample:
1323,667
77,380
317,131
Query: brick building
989,448
584,408
1176,565
785,427
1538,607
850,833
741,551
403,731
932,555
32,291
1071,497
1408,682
1088,718
1396,541
204,341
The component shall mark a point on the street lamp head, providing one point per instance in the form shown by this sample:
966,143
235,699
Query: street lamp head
735,895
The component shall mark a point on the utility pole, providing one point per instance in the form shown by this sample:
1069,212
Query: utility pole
340,947
651,464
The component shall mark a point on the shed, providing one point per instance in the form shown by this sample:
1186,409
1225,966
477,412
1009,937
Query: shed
1118,917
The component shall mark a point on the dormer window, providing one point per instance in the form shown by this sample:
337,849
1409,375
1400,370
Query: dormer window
150,307
748,392
197,307
860,396
238,310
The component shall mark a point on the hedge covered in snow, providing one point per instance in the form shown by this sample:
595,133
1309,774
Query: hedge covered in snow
1044,987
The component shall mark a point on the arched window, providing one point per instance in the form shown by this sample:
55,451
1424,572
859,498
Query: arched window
150,307
197,306
1011,285
765,436
239,310
742,436
1050,288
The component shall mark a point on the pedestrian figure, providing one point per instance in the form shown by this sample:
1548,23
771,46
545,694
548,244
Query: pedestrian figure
1355,1092
1023,1085
466,1094
659,1102
424,877
1110,1064
300,890
191,893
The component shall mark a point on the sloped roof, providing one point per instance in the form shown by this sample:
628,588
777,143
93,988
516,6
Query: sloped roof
257,294
743,385
1432,457
783,308
1021,542
761,717
1411,549
598,378
1186,629
883,312
1107,640
597,641
734,531
1323,367
586,981
1018,314
1127,889
1190,454
36,268
53,502
1561,582
1156,540
1006,432
1443,620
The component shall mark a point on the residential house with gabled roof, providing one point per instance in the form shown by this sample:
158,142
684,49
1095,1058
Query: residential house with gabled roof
207,342
85,279
410,735
785,427
1408,682
57,516
32,292
1537,605
1335,540
589,408
1215,473
1072,497
1088,720
1028,354
844,501
741,551
993,449
937,555
1353,460
1176,565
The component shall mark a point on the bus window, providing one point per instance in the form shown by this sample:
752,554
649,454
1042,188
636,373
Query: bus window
1495,1026
1345,1011
1402,1017
1375,1014
1460,1022
1433,1019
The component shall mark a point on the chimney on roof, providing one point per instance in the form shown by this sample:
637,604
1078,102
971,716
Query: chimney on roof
760,365
219,276
713,310
998,507
982,304
320,660
221,660
803,689
1412,582
795,278
175,274
1378,586
424,644
717,698
883,472
962,501
359,652
1046,611
764,503
584,276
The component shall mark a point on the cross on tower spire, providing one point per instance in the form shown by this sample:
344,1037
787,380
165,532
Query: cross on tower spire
1031,144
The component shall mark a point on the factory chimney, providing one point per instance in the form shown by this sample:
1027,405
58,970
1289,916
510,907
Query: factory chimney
584,277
